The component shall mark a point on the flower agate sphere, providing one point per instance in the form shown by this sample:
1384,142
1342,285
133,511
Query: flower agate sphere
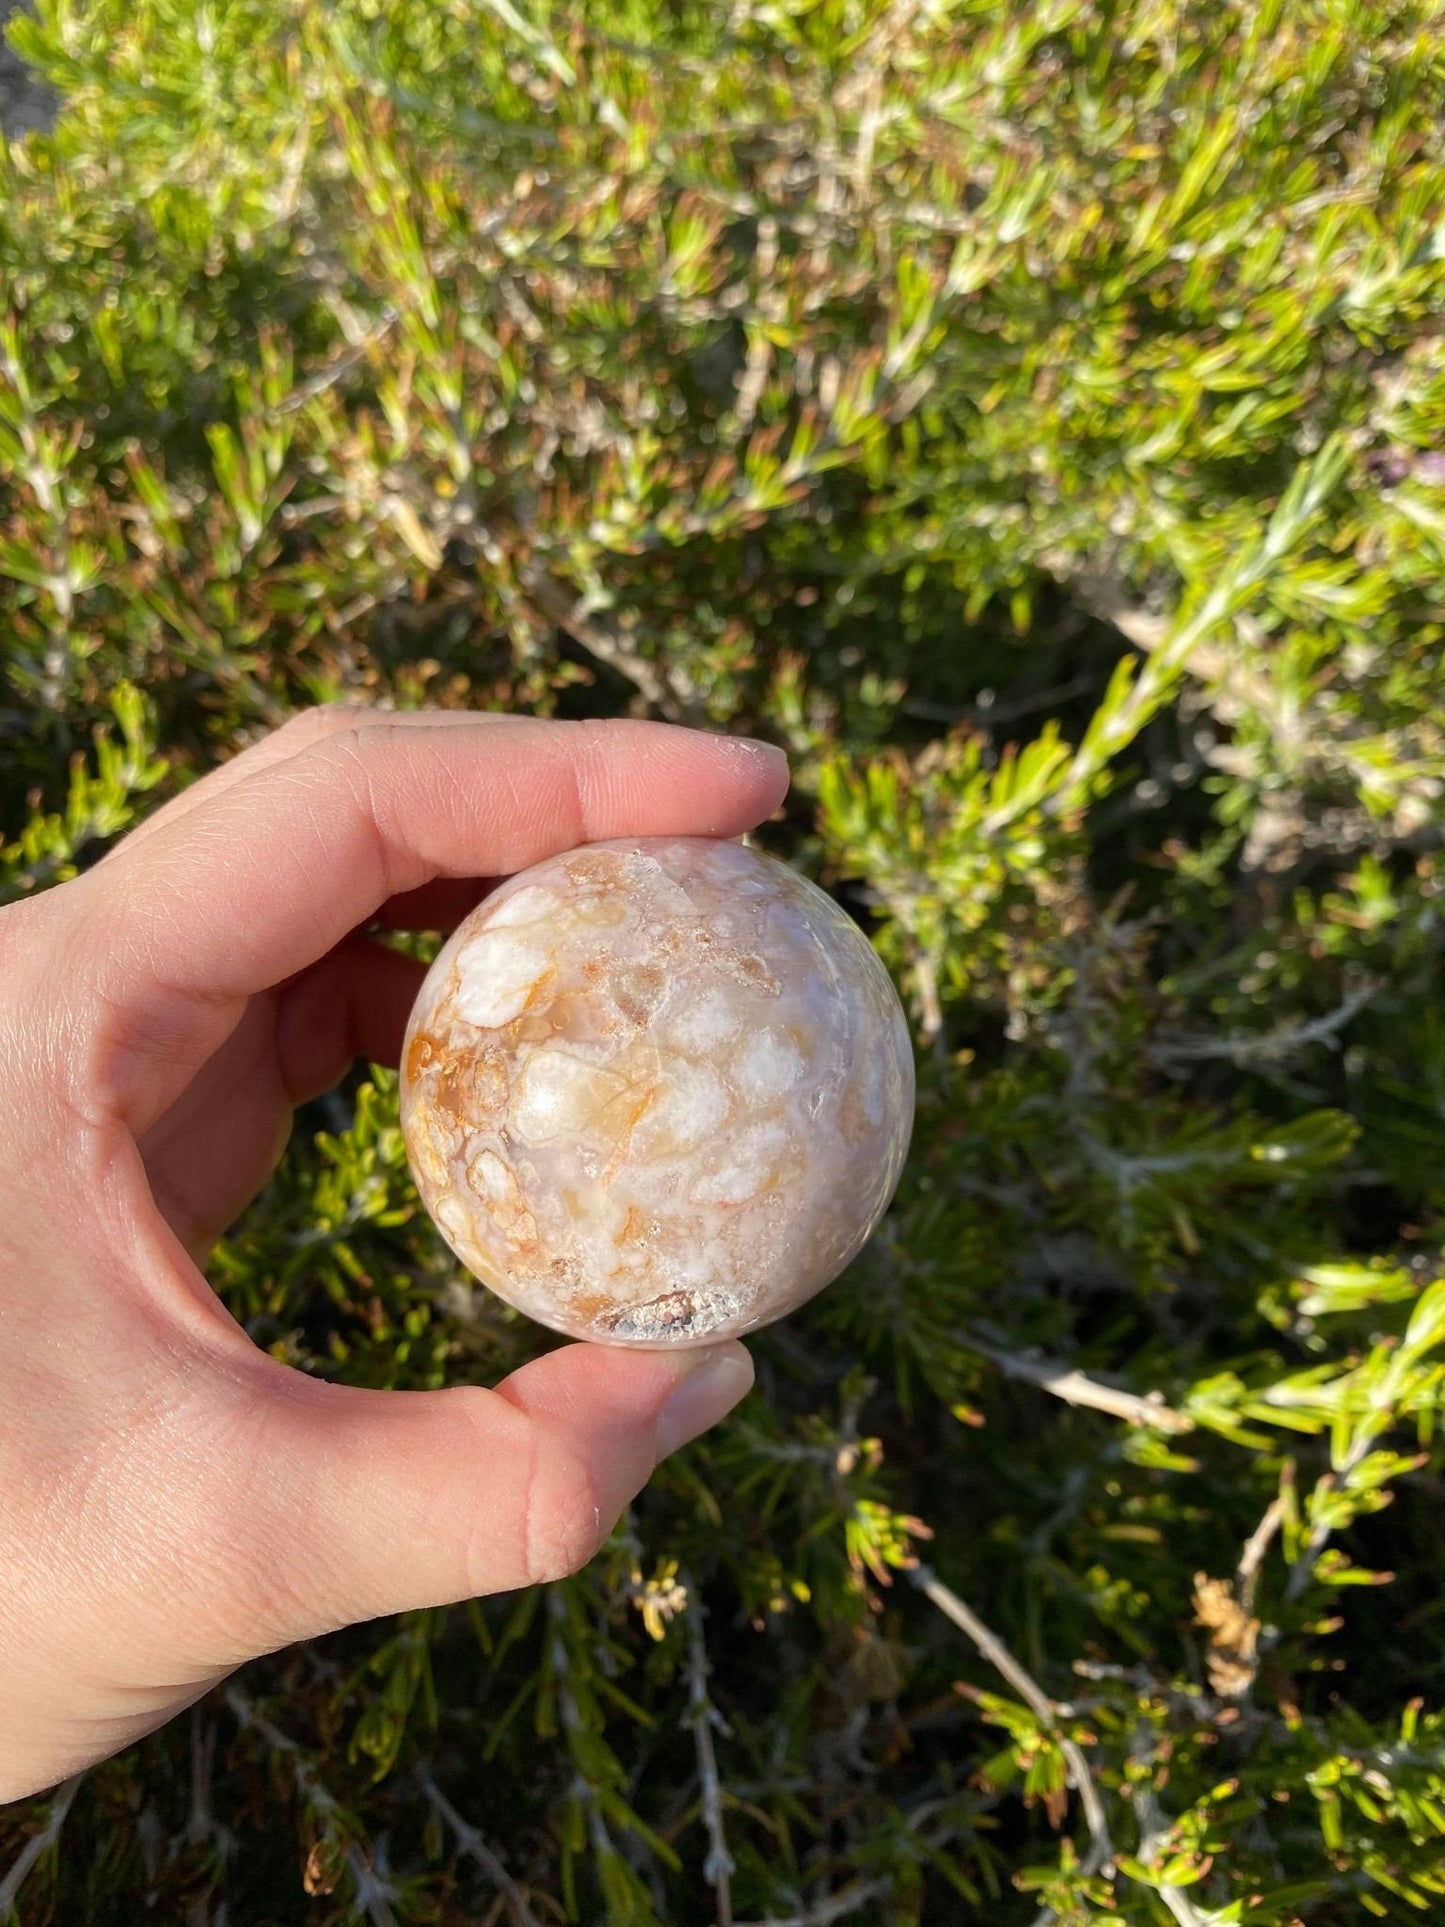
657,1092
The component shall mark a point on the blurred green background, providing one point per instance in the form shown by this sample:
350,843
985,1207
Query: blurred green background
1032,416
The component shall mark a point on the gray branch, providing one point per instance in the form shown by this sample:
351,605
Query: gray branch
475,1847
702,1716
38,1846
849,1900
1246,1575
1077,1388
1267,1046
992,1648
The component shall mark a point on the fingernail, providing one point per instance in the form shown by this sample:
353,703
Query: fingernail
710,1390
766,752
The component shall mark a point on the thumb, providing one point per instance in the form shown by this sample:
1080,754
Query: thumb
366,1503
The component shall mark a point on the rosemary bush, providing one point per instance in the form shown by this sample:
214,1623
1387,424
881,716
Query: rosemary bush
1028,412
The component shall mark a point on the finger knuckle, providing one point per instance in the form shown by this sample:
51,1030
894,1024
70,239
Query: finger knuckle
21,926
566,1516
318,722
36,1020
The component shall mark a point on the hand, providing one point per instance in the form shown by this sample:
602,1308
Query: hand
173,1501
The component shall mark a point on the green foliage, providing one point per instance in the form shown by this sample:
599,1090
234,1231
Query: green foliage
98,805
1030,415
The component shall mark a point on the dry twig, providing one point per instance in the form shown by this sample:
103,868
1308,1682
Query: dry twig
475,1847
702,1717
849,1900
992,1648
1077,1388
1246,1575
652,683
1267,1046
37,1846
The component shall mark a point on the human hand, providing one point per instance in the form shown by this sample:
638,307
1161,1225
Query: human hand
174,1501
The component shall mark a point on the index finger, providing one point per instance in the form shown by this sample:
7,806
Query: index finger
300,731
257,882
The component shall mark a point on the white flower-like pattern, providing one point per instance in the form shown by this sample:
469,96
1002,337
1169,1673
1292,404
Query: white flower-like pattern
657,1092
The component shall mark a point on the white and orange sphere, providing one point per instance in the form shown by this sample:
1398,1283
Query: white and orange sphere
657,1092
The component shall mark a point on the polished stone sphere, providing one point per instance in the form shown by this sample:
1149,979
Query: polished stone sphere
657,1092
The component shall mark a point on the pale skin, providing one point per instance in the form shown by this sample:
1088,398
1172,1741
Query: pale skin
173,1501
